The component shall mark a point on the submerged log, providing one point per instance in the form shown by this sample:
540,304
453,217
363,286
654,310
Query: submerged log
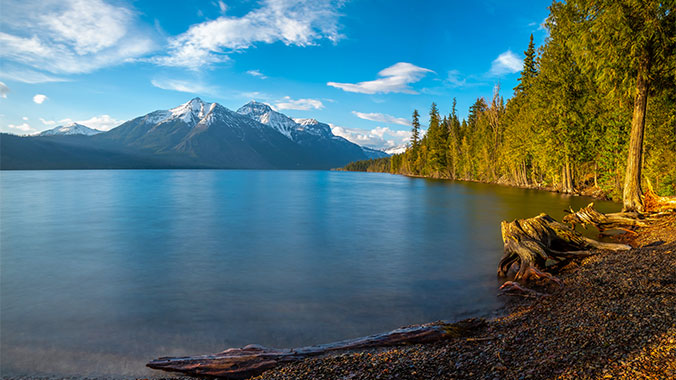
252,360
540,243
589,215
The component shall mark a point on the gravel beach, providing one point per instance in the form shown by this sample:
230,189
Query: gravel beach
615,317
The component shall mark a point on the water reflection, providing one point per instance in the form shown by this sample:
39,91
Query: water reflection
103,270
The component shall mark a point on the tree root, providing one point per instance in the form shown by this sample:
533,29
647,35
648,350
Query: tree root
542,242
513,286
588,215
654,203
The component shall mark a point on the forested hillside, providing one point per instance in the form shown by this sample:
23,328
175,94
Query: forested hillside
602,86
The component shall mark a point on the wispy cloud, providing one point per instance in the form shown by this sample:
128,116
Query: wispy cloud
292,22
190,87
222,6
256,73
377,138
70,36
300,104
506,63
396,78
26,75
4,90
382,118
39,98
455,80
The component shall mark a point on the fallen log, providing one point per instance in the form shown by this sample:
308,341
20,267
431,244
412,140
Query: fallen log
534,245
252,360
589,215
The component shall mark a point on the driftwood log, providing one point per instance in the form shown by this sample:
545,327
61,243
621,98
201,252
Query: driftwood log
533,246
619,220
252,360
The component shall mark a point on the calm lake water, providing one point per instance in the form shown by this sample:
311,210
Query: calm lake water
102,271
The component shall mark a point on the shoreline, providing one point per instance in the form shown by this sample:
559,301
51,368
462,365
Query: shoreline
614,318
591,192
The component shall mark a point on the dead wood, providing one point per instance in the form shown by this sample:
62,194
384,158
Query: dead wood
252,360
619,220
534,245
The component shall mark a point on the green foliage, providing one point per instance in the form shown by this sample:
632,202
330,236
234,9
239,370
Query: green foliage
568,122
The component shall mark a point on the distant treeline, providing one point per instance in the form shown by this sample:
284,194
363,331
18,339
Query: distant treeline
568,124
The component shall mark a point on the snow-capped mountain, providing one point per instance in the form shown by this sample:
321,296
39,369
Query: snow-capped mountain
374,153
255,136
69,129
264,114
396,149
195,134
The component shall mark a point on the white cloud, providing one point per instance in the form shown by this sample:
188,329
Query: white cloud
39,98
70,36
292,22
24,127
48,122
25,118
182,86
4,90
382,118
395,78
102,122
378,138
256,73
301,104
506,63
27,75
222,6
455,80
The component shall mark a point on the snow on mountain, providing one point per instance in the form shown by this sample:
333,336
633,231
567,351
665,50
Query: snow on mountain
396,149
264,114
70,129
315,127
190,113
373,153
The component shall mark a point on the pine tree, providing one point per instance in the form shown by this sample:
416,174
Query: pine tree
529,71
629,46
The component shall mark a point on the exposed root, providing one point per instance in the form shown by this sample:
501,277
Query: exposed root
542,242
588,215
514,288
654,203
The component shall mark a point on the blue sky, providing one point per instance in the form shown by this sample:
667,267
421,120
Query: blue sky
362,66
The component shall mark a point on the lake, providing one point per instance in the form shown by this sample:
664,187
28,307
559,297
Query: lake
102,271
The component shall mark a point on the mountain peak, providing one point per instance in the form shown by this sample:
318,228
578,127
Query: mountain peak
71,128
253,105
192,111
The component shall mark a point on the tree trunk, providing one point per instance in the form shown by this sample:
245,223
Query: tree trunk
631,195
567,174
252,360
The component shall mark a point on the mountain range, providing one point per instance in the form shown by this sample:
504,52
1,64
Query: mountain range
196,134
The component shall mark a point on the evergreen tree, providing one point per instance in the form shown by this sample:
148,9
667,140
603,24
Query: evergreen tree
529,71
629,45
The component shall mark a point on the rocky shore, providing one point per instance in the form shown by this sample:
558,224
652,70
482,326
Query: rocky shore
615,317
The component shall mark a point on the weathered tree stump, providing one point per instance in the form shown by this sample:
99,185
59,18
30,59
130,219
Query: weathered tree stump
535,245
589,215
252,360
